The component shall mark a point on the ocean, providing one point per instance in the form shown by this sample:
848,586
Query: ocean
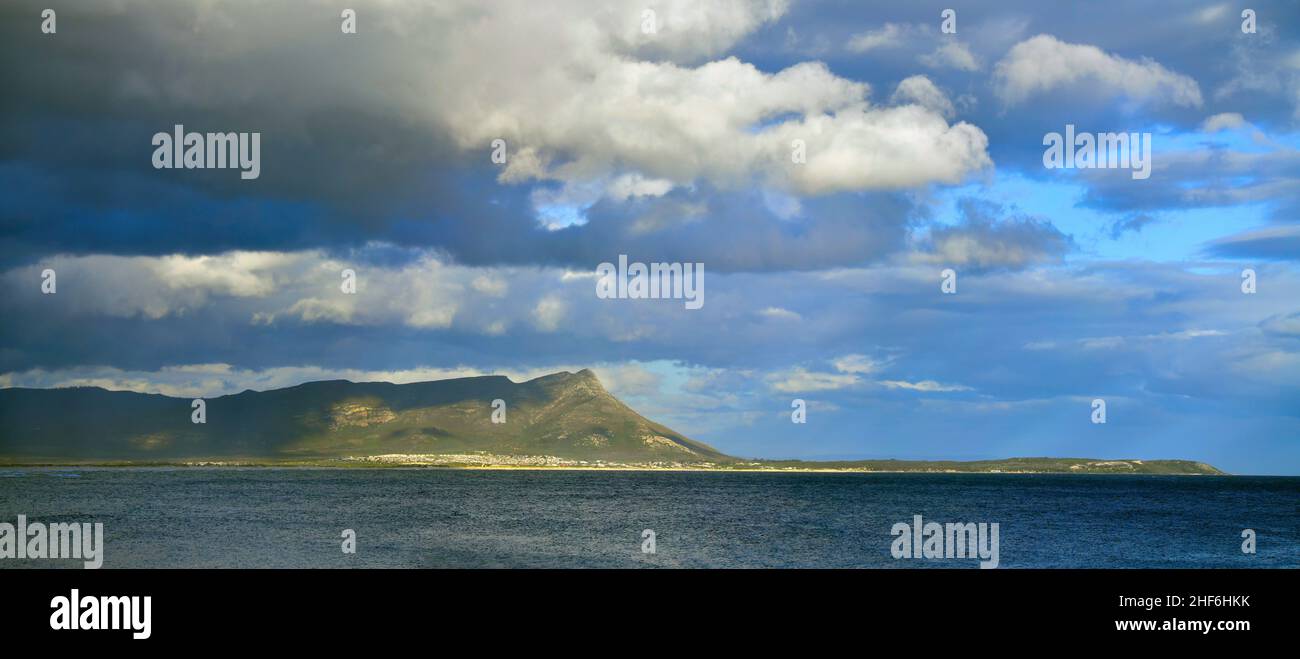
435,518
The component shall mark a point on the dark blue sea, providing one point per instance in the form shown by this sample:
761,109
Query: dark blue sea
430,518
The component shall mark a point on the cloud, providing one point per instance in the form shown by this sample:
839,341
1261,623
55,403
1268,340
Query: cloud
491,286
648,116
156,287
886,148
632,141
1044,64
1204,175
269,288
1223,121
800,380
953,54
1272,243
859,364
631,379
1134,222
628,186
984,240
780,314
1125,342
1212,13
242,274
924,386
1287,325
921,91
614,104
889,35
683,29
548,313
337,310
598,109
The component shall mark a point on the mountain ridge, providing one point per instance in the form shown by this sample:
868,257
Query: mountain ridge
559,419
566,414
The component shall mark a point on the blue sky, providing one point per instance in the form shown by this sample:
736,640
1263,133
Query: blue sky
924,152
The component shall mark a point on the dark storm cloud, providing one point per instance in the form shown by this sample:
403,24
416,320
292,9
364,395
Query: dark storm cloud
81,107
346,159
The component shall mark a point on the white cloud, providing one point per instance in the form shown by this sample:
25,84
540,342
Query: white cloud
895,147
548,313
921,91
799,380
684,29
926,386
861,364
631,379
490,285
1117,342
597,108
887,36
285,287
1212,13
1043,64
628,186
983,249
953,54
1223,121
439,318
156,287
234,273
312,310
780,314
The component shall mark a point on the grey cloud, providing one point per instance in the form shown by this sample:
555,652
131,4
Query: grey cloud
988,237
1279,243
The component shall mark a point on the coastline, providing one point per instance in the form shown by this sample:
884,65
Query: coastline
1058,466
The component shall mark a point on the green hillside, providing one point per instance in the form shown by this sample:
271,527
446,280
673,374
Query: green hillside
568,415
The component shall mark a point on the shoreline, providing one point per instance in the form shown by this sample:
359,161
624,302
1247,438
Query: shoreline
620,468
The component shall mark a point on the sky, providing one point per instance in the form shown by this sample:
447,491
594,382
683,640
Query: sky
666,131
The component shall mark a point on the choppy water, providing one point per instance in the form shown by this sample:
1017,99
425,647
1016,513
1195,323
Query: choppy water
437,518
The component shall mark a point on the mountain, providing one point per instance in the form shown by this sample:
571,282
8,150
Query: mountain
567,415
562,419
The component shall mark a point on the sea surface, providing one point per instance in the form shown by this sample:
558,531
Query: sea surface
430,518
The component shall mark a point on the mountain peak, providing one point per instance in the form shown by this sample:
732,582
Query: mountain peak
584,377
565,414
